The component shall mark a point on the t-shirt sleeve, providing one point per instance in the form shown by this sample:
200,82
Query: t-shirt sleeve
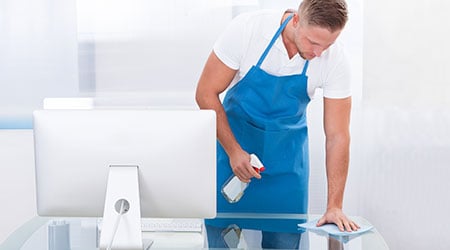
231,44
337,82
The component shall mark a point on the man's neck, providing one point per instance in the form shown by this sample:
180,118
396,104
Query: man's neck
287,37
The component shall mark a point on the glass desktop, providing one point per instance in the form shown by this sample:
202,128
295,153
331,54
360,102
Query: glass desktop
83,234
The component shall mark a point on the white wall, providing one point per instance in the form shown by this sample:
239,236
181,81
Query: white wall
38,58
405,144
38,49
17,185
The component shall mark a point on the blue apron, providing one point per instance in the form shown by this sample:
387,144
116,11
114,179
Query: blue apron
267,115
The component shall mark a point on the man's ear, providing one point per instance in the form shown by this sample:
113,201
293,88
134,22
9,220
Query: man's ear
295,19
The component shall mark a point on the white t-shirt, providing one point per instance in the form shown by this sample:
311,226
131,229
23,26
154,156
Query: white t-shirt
246,38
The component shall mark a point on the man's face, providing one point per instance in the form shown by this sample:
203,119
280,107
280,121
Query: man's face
311,40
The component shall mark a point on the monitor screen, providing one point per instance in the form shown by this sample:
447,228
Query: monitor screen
174,151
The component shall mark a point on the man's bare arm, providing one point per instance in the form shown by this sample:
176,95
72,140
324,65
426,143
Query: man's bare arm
215,79
336,126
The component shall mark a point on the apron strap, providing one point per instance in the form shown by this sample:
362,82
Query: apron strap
274,38
305,67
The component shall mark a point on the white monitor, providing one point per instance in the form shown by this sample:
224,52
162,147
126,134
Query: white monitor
171,154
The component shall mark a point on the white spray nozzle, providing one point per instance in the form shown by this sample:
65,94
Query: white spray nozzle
256,163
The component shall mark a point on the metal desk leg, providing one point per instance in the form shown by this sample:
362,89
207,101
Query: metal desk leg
334,244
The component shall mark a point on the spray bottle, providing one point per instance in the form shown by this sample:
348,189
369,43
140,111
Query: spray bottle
233,189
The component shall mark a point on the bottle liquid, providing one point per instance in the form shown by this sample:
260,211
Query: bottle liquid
233,189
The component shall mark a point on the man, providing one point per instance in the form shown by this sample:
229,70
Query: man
270,63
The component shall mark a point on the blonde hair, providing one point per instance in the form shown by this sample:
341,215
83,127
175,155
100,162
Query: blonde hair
329,14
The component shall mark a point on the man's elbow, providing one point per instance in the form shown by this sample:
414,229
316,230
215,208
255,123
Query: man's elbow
341,139
198,96
203,97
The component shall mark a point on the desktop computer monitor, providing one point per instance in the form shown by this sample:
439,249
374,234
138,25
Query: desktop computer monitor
162,162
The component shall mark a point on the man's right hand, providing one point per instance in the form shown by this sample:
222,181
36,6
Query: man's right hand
240,164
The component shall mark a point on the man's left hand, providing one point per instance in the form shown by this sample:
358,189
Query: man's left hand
336,216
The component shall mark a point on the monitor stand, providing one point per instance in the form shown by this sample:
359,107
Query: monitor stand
121,226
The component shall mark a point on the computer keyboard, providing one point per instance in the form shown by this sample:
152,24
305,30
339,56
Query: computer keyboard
172,225
168,225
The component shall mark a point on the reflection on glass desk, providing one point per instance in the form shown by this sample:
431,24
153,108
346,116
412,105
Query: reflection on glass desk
83,233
